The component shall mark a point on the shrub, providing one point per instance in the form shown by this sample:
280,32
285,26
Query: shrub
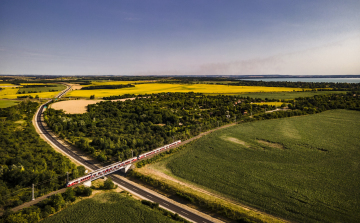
108,184
69,195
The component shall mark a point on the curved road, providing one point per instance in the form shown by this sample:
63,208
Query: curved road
124,184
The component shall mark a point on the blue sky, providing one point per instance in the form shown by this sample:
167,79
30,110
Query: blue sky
172,37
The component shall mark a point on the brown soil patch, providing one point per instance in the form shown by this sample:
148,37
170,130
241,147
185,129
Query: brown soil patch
78,106
270,144
235,140
73,106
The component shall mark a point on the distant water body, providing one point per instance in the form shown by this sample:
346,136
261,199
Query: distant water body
329,80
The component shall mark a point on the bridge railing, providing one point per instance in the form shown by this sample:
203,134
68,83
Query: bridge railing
118,165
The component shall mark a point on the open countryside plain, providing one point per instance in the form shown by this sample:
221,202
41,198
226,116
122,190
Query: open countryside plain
301,168
162,87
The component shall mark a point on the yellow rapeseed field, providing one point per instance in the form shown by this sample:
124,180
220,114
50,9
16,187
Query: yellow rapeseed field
96,83
35,84
165,87
7,92
10,93
6,84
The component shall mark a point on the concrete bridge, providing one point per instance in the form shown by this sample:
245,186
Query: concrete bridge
122,165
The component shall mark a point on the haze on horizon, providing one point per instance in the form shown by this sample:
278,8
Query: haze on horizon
180,37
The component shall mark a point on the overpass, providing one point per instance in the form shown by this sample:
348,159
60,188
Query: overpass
122,165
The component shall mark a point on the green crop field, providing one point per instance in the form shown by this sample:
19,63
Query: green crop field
38,89
7,103
288,95
108,207
302,168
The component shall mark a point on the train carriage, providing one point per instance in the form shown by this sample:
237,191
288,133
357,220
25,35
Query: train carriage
114,167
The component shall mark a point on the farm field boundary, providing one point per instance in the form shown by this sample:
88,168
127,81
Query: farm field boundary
262,175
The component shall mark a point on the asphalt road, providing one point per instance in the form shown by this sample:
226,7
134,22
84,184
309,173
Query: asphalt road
127,186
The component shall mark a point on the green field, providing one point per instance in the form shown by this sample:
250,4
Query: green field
108,207
302,168
288,95
7,103
38,89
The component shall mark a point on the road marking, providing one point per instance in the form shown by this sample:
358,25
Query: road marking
185,213
148,195
166,204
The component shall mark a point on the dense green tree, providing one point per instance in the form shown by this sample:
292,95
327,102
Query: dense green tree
109,184
25,159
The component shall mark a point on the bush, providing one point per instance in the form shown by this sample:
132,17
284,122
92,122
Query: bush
108,184
69,195
150,204
244,220
57,201
83,191
87,191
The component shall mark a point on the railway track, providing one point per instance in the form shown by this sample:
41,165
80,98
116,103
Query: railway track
132,188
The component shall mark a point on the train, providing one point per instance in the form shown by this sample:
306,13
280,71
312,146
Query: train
119,165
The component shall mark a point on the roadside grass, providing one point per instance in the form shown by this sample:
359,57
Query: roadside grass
165,87
8,103
109,207
309,176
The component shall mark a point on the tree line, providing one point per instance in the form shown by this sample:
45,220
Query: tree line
311,85
25,159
